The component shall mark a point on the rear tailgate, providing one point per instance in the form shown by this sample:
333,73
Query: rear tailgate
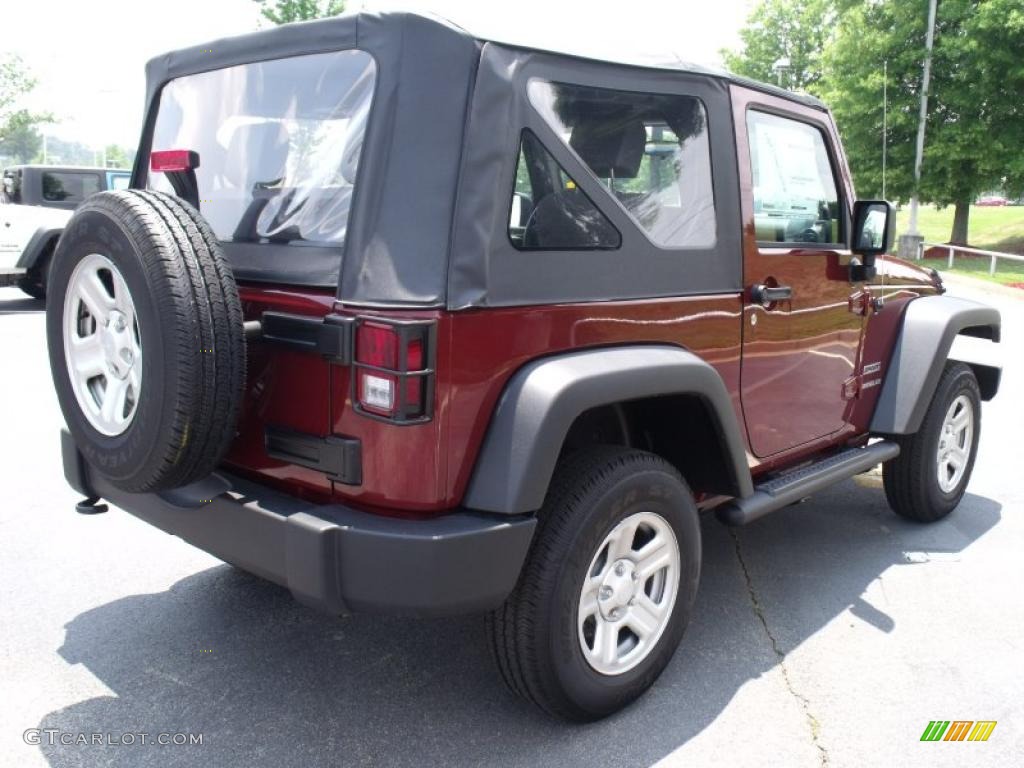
287,390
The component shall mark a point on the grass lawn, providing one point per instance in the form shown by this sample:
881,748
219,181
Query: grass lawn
994,229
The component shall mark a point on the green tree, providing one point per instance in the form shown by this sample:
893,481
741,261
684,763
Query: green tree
975,127
14,83
19,133
118,156
791,33
20,138
287,11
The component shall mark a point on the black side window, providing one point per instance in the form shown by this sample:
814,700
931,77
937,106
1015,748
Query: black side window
794,189
69,187
548,211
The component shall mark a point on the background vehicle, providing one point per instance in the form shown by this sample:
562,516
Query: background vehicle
992,200
35,203
419,323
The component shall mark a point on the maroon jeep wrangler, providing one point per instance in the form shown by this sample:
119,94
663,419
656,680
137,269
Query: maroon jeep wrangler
409,321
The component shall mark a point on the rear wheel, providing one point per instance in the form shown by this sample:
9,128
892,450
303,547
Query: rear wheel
607,589
929,477
144,328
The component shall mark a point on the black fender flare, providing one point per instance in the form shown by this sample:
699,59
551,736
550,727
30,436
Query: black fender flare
37,245
928,327
543,398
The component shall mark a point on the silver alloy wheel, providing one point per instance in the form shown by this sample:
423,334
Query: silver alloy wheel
628,593
102,346
955,441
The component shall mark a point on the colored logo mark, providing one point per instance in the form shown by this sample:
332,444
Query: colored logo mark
958,730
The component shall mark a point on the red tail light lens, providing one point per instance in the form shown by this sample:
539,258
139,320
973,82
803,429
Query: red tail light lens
414,385
392,378
377,345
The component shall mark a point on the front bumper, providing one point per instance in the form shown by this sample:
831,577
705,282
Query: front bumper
333,557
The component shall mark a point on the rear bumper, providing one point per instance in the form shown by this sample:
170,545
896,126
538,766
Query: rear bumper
333,557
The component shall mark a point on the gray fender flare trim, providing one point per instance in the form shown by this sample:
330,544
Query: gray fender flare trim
542,399
928,328
37,244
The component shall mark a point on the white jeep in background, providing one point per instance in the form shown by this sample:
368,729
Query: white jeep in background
35,203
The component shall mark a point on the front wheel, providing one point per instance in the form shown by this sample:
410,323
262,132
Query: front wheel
928,479
607,589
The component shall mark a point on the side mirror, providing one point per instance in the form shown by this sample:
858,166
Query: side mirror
874,223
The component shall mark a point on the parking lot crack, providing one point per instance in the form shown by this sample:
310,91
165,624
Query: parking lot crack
805,704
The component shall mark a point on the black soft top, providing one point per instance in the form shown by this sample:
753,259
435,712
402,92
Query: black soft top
423,198
343,31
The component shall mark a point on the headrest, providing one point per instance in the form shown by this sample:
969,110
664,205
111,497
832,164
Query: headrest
610,148
257,154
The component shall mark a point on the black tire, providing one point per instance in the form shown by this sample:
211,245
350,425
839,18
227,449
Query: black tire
33,289
911,479
190,327
534,634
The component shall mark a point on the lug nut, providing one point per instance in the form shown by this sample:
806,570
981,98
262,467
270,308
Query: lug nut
634,576
604,593
614,613
619,569
126,355
119,323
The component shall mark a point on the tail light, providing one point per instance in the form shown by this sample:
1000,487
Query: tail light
393,378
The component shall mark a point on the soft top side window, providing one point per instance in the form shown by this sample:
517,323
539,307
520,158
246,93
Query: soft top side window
69,186
794,189
650,150
549,211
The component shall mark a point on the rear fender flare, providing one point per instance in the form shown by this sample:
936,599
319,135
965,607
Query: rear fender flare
542,400
43,239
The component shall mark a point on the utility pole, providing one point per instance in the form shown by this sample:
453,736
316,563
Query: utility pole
926,77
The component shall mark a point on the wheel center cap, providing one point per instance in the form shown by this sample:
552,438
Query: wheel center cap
116,342
618,588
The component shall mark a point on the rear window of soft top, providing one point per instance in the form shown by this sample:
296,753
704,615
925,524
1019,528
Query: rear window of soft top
278,141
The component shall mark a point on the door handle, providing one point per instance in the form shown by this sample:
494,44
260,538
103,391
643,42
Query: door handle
766,295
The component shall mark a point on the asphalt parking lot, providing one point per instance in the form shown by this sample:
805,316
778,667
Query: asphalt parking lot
829,633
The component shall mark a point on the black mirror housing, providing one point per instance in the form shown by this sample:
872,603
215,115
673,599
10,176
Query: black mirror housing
874,224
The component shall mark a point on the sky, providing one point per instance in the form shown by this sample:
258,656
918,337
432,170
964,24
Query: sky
89,57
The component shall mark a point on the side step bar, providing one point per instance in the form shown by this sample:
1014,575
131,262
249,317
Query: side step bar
793,486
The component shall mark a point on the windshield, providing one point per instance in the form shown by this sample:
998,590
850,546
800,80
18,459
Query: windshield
278,143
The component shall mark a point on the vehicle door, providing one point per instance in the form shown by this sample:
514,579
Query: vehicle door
802,326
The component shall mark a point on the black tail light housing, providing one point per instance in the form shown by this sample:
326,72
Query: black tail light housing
393,366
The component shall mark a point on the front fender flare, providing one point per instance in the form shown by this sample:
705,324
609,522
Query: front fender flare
928,328
542,399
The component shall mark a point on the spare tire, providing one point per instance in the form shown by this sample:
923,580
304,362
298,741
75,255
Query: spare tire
147,350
